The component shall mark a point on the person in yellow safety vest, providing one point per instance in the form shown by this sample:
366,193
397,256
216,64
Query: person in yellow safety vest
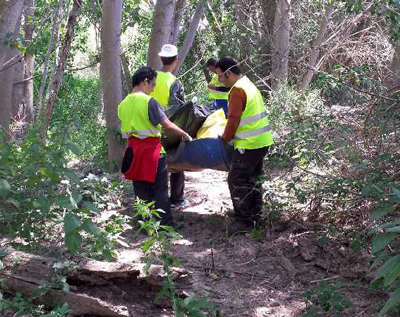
141,120
249,128
217,91
169,93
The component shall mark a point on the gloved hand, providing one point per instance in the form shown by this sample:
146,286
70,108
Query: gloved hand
187,137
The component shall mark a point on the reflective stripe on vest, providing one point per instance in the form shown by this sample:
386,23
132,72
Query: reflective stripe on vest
133,112
254,131
161,92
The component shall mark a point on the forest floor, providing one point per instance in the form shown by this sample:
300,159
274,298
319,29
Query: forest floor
267,276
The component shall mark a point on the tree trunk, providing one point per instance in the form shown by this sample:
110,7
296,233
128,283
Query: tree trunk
242,17
194,25
269,11
10,16
160,31
314,54
93,286
18,89
280,60
394,82
126,78
178,13
56,82
29,62
53,38
111,75
6,87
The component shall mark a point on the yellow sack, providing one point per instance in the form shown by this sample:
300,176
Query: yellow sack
213,126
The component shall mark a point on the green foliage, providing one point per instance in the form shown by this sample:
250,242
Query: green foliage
156,249
325,297
40,194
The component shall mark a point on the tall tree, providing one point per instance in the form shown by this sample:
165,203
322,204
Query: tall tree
110,73
394,80
268,9
280,59
178,13
160,31
56,81
194,25
315,49
29,61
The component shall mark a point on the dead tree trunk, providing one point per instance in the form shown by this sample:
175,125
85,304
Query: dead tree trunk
312,62
56,82
194,25
93,286
394,81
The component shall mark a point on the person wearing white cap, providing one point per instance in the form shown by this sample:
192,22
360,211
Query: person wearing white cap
169,93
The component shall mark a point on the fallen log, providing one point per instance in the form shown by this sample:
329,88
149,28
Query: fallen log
95,288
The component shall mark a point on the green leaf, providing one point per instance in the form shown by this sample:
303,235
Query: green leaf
147,244
71,223
72,176
387,267
393,274
74,149
12,202
5,188
73,241
91,207
393,229
75,199
64,202
381,241
91,228
381,212
392,302
396,192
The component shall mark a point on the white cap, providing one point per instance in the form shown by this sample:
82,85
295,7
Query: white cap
168,50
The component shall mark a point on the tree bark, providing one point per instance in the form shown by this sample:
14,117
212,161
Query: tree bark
269,11
6,87
110,74
18,89
126,78
56,82
94,286
53,37
242,17
314,54
178,13
280,60
160,31
394,81
194,25
29,61
10,16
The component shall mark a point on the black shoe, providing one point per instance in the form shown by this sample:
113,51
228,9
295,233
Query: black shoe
239,227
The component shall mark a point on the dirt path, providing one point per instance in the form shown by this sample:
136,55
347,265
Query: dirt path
264,277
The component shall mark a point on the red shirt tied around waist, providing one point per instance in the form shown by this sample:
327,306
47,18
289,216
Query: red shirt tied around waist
141,159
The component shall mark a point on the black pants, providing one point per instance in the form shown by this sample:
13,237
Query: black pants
177,183
157,191
244,184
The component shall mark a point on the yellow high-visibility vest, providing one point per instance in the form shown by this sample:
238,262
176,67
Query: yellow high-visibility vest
161,92
254,131
214,94
133,112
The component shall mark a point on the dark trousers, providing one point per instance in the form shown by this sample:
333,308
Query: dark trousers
157,191
177,183
244,184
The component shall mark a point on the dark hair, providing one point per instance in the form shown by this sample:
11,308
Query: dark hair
228,63
168,60
142,74
211,62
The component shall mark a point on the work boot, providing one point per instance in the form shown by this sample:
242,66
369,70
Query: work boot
180,205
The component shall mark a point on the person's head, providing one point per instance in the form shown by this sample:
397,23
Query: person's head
169,55
228,71
211,64
144,79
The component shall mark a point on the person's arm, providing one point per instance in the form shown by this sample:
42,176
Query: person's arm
176,94
237,104
173,128
157,116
